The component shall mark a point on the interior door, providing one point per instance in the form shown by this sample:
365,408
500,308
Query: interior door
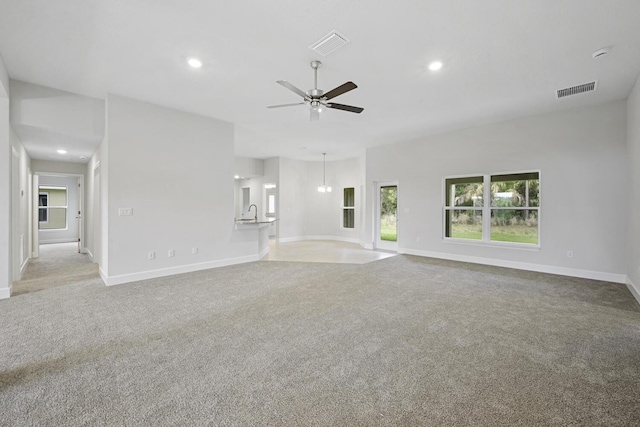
387,216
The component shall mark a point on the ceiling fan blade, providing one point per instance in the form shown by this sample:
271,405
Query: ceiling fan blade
292,88
343,107
285,105
315,114
340,90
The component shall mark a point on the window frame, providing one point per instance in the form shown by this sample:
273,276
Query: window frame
487,210
346,208
49,206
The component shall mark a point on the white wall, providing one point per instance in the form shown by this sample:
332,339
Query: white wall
58,167
633,162
5,186
61,118
581,155
292,191
272,176
175,170
307,213
247,167
256,197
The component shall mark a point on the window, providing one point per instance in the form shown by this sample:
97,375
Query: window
52,208
43,202
463,207
511,216
348,207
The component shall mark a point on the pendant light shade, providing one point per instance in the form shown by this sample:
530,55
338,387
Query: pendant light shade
324,188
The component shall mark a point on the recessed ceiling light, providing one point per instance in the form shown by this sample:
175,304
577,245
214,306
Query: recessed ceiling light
435,65
194,62
61,151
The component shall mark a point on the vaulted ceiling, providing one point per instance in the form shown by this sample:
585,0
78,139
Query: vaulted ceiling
501,59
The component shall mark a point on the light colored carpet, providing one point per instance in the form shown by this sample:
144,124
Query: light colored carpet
403,341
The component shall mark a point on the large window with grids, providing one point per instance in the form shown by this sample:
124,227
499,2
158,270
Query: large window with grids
52,208
493,208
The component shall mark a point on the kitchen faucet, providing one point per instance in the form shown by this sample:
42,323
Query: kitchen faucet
256,217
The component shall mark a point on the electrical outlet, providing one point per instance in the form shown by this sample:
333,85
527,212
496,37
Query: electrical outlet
194,250
569,254
152,255
171,253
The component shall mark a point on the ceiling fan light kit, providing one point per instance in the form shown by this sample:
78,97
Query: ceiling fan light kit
317,98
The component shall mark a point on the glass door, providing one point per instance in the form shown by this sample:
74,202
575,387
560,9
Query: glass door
387,216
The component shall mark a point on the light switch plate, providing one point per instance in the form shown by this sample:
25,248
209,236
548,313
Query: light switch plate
125,212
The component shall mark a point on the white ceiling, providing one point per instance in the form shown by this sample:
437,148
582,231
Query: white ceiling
502,59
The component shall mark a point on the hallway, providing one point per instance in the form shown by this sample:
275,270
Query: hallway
59,264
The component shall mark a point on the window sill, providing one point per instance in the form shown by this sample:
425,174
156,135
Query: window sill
501,245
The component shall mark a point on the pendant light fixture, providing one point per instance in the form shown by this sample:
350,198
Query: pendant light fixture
324,188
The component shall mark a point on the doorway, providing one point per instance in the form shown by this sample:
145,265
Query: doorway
386,221
58,207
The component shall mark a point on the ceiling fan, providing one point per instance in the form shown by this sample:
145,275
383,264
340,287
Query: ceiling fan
316,98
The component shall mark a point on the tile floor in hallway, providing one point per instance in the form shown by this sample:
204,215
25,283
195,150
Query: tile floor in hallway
323,251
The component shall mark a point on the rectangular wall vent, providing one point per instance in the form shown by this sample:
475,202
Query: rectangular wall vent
575,90
329,43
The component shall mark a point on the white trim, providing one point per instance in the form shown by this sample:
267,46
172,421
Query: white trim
88,252
24,265
5,293
385,245
487,208
263,253
171,271
562,271
492,244
633,288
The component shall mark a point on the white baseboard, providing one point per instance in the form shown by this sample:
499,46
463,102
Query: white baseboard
88,252
263,253
5,293
634,289
334,238
24,266
170,271
573,272
48,241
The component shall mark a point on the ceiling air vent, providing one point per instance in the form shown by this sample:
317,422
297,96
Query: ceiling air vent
575,90
329,43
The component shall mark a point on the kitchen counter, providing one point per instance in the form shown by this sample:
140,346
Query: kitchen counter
253,221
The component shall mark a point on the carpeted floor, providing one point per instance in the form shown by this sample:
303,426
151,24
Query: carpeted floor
404,341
